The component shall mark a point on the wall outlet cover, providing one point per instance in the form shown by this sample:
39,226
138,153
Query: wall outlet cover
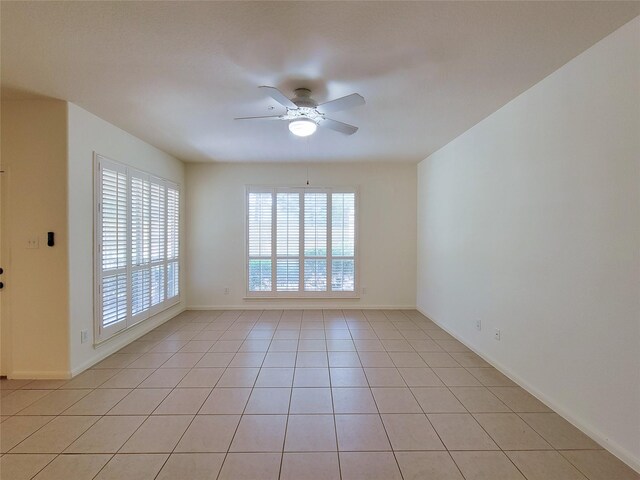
496,334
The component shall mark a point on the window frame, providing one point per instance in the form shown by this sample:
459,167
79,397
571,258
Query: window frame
301,293
100,332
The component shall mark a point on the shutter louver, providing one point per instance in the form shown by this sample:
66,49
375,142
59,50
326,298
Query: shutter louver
158,224
173,279
114,299
113,247
173,242
173,223
343,214
315,242
140,244
287,241
260,216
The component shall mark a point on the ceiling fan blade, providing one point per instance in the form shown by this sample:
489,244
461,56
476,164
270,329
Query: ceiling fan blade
342,103
279,97
267,117
338,126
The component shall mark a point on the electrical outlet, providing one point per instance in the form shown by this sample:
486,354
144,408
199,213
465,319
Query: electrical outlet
364,290
226,290
33,242
478,324
496,334
84,336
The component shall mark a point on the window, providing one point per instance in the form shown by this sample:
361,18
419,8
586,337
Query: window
301,242
137,251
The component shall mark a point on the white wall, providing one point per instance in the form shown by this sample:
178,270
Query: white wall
35,304
216,235
88,133
530,221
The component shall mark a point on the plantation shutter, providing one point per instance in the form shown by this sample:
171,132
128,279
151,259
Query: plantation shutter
112,286
137,246
287,241
315,242
259,221
140,246
301,242
343,215
173,241
157,211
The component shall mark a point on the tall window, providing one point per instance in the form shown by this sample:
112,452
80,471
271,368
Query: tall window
301,242
137,247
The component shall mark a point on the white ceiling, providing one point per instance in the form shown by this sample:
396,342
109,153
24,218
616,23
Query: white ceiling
176,74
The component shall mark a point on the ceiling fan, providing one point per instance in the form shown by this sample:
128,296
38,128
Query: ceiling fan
305,115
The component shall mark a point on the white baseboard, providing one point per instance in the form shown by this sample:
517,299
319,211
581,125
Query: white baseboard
581,424
301,306
116,343
40,375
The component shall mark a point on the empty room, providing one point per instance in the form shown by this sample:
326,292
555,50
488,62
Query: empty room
320,240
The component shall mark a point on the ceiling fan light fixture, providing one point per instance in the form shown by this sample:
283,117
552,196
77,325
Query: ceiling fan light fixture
302,127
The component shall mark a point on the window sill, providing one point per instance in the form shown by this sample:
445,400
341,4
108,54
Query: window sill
296,297
99,342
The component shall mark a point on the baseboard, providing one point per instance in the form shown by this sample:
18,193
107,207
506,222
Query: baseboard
113,345
584,426
301,306
40,375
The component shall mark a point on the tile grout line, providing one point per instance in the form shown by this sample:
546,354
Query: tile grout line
147,416
293,379
432,426
58,454
378,408
196,414
183,328
475,420
333,408
226,455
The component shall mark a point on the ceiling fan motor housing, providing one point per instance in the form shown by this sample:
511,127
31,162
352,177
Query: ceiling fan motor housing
303,98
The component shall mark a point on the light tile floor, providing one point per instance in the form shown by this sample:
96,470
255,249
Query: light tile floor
333,394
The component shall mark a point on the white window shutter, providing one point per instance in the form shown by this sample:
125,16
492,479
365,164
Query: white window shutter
173,241
287,241
343,215
113,285
158,240
137,258
315,242
260,229
301,241
140,245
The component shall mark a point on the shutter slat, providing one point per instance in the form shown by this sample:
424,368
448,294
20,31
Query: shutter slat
157,244
260,229
113,251
315,241
343,241
173,242
288,241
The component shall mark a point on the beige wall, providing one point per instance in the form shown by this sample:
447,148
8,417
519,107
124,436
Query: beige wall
216,235
530,222
88,133
35,321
